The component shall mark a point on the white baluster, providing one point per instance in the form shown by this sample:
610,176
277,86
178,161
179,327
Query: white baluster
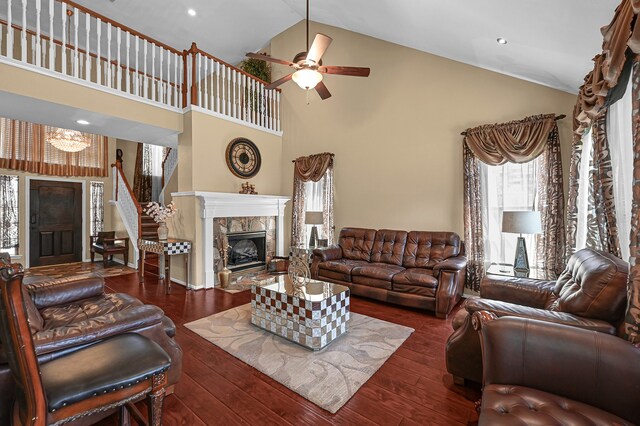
235,96
153,71
212,85
135,72
228,90
52,45
23,55
75,42
63,49
109,69
128,70
244,97
205,83
38,61
32,39
254,103
278,109
118,62
99,57
176,101
168,82
9,31
160,95
263,111
217,86
87,56
144,75
199,61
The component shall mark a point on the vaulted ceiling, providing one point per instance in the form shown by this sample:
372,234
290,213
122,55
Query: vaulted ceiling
549,41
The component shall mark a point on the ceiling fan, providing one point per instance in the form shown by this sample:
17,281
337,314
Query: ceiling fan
308,66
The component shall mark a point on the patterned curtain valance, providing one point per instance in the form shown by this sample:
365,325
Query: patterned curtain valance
621,34
516,141
312,167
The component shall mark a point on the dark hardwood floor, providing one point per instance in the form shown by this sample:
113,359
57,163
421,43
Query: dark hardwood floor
411,388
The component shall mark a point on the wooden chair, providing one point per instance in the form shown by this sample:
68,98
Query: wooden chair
111,374
106,244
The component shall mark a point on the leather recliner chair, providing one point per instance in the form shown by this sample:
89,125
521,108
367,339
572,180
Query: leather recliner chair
537,372
67,315
591,293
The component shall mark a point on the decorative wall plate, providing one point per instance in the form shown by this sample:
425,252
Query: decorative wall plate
243,158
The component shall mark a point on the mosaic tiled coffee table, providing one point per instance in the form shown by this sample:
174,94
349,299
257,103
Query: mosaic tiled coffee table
312,315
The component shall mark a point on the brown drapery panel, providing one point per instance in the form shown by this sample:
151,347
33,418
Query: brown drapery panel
623,32
473,226
142,179
631,328
516,141
311,168
550,244
23,147
572,196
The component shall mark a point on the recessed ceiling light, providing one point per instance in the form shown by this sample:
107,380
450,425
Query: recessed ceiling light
191,12
83,122
500,40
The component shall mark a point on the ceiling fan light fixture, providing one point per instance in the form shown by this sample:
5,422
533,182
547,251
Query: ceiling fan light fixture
307,78
68,140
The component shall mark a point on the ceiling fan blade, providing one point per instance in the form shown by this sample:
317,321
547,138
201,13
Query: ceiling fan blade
322,91
318,47
268,58
352,71
279,82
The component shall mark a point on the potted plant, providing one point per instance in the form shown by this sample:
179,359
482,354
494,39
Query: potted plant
160,214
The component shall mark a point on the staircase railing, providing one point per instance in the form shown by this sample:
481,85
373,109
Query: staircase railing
169,164
128,207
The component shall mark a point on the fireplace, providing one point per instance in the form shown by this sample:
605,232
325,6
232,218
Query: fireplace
246,250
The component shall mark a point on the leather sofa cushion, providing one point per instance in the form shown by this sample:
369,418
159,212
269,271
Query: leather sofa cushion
65,290
36,323
519,405
343,267
375,283
414,289
101,368
66,315
416,276
424,249
356,243
388,247
380,271
593,285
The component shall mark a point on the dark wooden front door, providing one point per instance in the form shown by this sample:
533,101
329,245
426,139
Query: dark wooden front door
55,222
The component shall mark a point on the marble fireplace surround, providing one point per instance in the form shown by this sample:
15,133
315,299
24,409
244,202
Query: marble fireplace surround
223,204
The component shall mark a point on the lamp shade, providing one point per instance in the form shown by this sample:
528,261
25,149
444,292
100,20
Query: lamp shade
307,78
521,222
313,218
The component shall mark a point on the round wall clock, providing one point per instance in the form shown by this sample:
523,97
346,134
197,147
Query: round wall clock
243,158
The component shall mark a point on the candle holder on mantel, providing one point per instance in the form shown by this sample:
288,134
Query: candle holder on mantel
248,188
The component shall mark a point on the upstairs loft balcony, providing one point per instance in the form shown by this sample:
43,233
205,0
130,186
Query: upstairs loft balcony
68,41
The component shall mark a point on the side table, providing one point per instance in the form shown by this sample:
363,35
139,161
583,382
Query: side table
507,270
165,249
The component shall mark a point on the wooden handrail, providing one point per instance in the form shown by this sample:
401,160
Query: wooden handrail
194,49
80,50
117,24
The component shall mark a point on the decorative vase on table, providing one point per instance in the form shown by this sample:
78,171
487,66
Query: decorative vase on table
224,277
163,231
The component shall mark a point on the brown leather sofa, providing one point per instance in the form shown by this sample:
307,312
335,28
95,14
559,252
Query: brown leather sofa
591,293
538,372
418,269
66,315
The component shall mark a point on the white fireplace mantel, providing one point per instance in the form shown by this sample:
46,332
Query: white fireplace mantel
225,204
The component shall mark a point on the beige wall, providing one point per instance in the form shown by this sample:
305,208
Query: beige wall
23,191
396,134
129,153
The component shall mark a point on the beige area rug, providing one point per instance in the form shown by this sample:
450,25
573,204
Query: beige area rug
328,378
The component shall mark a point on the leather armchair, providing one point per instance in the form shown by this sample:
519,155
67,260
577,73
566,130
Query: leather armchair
538,372
67,315
591,293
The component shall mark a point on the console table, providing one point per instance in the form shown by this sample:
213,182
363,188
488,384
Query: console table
165,249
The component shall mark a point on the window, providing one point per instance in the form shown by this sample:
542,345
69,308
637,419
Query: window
314,202
9,214
97,207
510,187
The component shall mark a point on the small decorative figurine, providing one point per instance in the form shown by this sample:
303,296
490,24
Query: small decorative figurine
248,188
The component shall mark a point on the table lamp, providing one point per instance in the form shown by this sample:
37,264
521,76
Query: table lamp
313,218
521,222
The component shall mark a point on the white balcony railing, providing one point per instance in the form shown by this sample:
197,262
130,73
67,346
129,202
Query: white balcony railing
68,39
73,42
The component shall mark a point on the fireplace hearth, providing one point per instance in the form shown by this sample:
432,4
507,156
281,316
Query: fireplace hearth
246,250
